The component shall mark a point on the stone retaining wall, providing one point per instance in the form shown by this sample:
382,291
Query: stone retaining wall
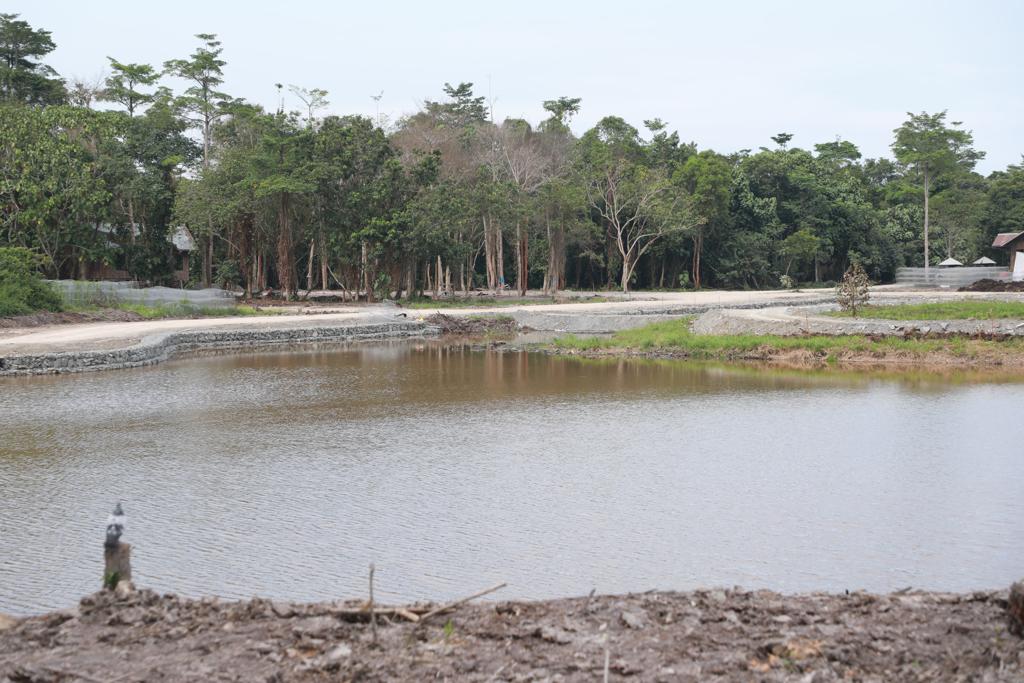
160,347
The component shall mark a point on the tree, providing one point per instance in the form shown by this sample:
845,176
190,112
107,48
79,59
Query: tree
782,139
639,208
52,191
204,70
925,143
852,291
800,247
1004,209
122,86
708,178
562,109
958,210
314,100
23,78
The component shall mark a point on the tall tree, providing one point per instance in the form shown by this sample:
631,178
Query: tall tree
925,143
708,178
122,86
204,71
23,78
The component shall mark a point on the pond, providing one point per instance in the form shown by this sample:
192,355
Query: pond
285,474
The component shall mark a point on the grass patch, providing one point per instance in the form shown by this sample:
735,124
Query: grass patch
181,310
946,310
675,336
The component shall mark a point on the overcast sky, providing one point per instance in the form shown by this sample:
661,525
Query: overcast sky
725,74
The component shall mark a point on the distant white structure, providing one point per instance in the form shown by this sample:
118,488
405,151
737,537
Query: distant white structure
984,261
950,262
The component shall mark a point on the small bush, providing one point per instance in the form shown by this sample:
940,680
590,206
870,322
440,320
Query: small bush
852,291
22,289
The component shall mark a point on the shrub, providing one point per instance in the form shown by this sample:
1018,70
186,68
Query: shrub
22,290
852,291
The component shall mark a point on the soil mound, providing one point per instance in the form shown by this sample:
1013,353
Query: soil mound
993,286
464,326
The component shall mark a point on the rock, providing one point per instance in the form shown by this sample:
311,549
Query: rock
282,609
7,622
123,590
339,651
314,626
553,635
633,619
1015,609
717,596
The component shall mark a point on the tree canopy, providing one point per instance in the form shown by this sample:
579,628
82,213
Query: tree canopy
447,199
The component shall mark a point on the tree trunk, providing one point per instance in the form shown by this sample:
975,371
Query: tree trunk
627,272
926,259
698,247
555,279
285,248
324,281
309,266
522,258
367,275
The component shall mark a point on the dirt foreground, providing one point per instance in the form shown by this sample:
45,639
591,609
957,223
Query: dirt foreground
713,635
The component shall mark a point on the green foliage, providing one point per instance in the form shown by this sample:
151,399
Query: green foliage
947,310
123,83
22,290
301,198
23,78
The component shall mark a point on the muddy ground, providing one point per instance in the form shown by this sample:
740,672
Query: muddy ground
713,635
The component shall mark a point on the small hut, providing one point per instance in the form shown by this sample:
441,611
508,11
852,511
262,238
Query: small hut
984,261
949,263
184,244
1013,242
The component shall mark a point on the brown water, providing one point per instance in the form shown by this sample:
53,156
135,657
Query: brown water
286,474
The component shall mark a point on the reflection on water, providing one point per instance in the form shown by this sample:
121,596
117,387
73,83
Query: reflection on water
286,474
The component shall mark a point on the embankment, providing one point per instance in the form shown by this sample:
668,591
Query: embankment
156,348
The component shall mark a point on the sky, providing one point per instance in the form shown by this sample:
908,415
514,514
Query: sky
726,74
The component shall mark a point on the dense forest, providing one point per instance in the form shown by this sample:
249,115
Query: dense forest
447,199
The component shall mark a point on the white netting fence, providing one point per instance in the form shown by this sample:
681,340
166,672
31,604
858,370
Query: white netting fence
83,293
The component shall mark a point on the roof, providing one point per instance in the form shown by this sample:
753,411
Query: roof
1004,238
181,238
951,262
110,228
984,261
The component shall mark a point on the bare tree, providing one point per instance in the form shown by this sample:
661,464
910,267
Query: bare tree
83,91
517,156
640,206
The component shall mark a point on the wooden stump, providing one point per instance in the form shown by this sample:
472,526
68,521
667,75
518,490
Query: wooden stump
1015,609
117,561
